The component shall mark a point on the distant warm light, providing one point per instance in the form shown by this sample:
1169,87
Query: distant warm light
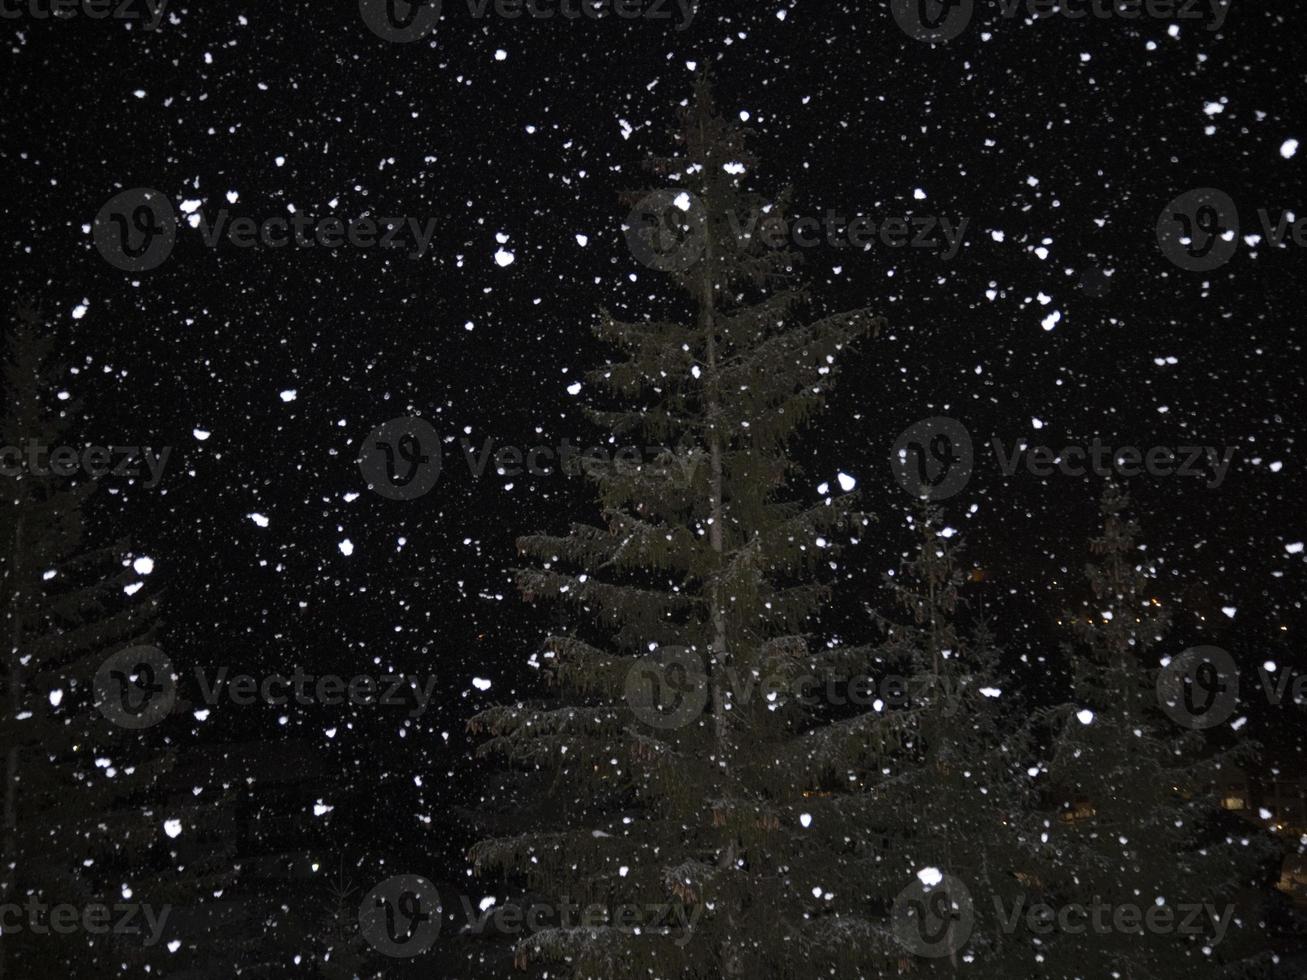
1083,810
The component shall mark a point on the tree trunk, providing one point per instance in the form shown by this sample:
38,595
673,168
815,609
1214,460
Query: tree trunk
719,659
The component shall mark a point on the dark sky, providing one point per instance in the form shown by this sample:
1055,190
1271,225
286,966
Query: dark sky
1063,138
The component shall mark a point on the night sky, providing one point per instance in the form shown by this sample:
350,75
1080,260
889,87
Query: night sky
1060,141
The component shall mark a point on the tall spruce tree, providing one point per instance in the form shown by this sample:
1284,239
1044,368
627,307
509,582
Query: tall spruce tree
706,568
74,828
1138,824
923,809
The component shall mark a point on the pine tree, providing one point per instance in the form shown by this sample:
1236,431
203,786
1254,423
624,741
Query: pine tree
707,569
1137,822
927,801
340,952
73,828
241,878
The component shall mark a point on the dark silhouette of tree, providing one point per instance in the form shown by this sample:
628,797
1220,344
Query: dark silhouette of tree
705,573
76,819
1138,822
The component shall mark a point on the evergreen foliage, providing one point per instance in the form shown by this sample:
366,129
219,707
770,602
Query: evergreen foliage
76,819
1139,822
705,569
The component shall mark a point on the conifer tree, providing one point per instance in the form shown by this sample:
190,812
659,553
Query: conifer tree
73,827
705,573
1138,823
928,800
